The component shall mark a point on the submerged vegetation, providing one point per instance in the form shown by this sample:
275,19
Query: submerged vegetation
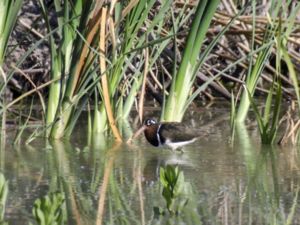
49,210
175,189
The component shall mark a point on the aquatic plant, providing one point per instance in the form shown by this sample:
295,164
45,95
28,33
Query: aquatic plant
183,79
175,189
115,43
268,121
76,30
50,209
232,116
8,16
117,85
257,66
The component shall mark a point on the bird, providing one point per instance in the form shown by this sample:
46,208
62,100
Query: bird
174,135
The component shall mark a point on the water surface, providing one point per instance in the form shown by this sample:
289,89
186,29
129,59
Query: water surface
231,181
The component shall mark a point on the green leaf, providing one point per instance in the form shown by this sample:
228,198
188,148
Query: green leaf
292,73
48,210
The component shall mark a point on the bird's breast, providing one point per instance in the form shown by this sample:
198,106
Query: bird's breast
151,135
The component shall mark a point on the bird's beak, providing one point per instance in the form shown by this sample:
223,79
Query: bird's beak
136,134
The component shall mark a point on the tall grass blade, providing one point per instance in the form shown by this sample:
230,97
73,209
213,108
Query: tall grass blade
251,83
104,80
268,122
202,60
254,72
183,79
122,95
8,16
292,73
232,116
291,214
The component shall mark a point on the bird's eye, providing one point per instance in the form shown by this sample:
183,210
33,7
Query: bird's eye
150,122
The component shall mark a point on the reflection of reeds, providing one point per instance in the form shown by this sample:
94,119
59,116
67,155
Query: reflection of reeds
266,190
262,189
3,196
62,162
138,178
104,184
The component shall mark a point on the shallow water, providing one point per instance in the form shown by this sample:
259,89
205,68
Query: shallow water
231,182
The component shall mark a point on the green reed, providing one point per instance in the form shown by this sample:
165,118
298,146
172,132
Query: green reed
184,78
254,72
123,87
256,66
268,122
8,16
74,26
75,55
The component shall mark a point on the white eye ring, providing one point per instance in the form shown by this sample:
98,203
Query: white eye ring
150,122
